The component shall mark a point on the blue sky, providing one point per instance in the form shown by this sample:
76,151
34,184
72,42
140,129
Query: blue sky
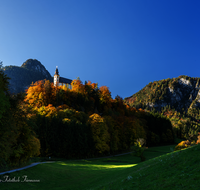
120,44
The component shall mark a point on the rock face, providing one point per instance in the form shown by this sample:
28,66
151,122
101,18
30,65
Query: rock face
35,66
180,93
21,77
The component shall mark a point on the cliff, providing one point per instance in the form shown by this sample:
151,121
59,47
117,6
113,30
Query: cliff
22,77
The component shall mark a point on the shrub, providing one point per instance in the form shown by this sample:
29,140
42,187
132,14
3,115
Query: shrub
182,145
138,150
198,140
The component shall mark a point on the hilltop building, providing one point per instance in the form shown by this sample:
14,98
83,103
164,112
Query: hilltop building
60,81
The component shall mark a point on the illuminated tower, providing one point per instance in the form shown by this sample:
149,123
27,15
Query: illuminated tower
56,77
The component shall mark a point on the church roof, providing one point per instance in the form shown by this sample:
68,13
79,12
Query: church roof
64,80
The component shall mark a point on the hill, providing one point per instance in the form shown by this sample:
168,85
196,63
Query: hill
177,98
21,77
180,93
175,170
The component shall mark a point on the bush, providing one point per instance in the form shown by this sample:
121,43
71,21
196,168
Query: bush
198,140
138,150
182,145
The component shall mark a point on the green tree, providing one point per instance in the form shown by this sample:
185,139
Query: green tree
18,142
1,64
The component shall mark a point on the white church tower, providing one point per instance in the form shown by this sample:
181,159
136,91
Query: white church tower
56,77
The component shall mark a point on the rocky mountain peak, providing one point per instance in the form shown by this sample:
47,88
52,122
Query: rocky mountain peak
21,77
35,65
181,93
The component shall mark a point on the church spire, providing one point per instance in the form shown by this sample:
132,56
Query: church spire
56,72
56,77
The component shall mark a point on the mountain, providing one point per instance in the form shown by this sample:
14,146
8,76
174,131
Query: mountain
178,99
181,93
22,77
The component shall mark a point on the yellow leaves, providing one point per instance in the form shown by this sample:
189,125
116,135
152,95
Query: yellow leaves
105,91
93,85
105,95
64,87
41,93
66,120
182,145
34,146
95,118
99,132
198,140
77,85
47,111
62,107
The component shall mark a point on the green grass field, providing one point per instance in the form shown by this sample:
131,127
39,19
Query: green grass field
163,169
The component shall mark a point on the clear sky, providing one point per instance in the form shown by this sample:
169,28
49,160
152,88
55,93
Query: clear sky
122,44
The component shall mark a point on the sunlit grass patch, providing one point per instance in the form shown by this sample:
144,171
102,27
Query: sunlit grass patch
97,166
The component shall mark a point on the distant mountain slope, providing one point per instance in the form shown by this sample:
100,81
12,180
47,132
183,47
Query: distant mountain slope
181,93
21,77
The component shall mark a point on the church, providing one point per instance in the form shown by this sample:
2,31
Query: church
60,81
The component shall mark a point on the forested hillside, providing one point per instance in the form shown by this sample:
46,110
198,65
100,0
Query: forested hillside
85,121
176,98
80,122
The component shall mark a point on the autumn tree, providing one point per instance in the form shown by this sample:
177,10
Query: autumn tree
105,94
41,93
77,85
100,133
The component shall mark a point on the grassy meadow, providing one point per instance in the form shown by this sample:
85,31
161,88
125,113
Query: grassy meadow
163,169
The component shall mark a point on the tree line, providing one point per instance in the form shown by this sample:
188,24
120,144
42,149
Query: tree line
85,121
80,122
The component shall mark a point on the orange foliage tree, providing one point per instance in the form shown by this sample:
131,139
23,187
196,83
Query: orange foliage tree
41,93
105,94
77,86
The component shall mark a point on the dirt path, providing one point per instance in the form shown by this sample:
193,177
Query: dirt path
25,167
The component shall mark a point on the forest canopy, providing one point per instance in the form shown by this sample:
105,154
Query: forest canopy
85,121
81,122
